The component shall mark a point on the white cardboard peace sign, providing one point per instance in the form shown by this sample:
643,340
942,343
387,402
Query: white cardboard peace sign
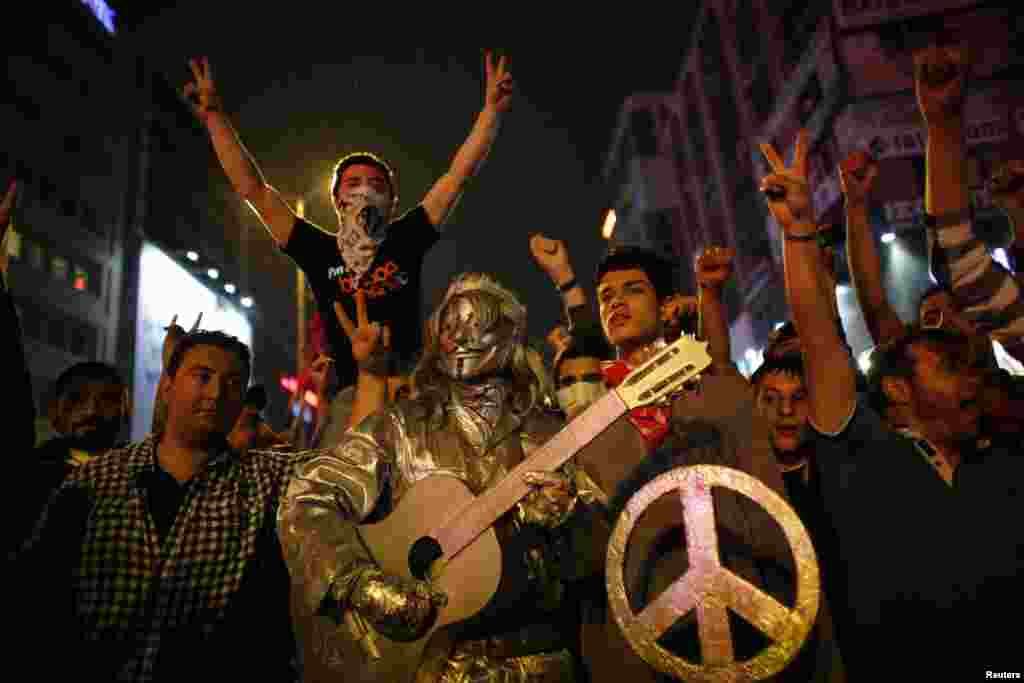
709,587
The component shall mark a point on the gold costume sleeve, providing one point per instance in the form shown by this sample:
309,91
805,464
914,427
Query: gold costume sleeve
332,492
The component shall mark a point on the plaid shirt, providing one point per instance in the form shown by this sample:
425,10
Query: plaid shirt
143,605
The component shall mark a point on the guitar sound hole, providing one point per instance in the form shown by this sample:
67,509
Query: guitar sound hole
423,553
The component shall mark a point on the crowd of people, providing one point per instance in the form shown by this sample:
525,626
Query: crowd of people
217,548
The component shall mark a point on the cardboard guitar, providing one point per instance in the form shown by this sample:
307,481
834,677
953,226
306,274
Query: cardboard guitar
441,532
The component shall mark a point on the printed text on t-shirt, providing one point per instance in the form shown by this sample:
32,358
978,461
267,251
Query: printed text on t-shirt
377,282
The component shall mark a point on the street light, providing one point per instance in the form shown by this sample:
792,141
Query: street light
246,301
888,237
609,224
192,256
213,273
229,288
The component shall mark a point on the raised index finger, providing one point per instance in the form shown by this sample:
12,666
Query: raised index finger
197,69
773,158
346,322
488,64
800,153
361,318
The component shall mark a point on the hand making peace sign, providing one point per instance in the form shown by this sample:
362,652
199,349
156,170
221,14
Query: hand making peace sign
371,342
787,190
201,94
500,85
174,333
6,209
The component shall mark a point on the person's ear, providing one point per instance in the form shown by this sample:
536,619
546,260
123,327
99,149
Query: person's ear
896,390
126,404
56,415
164,386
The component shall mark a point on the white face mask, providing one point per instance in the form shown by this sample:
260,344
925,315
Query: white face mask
363,216
578,396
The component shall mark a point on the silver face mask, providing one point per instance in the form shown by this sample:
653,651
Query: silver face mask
470,347
578,396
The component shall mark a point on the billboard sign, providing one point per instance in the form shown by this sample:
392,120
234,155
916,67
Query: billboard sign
859,13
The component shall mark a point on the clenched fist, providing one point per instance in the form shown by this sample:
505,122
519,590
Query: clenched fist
857,176
714,267
940,75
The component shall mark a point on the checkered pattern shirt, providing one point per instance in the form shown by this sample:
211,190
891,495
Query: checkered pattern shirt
133,591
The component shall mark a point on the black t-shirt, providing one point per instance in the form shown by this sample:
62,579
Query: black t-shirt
928,568
392,284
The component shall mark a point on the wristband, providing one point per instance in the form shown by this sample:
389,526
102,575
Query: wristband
947,219
810,237
567,286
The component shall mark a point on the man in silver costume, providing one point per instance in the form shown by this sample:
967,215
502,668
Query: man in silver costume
475,416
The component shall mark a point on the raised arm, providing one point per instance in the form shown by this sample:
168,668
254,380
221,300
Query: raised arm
830,377
857,175
442,197
713,270
984,292
239,166
21,412
552,257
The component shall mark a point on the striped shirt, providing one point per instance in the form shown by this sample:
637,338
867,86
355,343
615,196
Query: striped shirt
985,292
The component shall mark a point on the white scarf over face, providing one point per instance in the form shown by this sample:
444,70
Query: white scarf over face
363,217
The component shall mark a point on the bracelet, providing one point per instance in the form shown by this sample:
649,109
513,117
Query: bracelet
810,237
567,286
947,219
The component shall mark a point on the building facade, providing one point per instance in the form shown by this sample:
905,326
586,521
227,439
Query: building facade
116,201
759,72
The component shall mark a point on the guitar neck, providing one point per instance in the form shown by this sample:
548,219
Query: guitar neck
486,509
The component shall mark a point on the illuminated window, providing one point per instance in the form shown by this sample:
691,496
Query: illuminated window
80,281
59,268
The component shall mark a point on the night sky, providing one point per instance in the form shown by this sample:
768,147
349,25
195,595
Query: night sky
300,100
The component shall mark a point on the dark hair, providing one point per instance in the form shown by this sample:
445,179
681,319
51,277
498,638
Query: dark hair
256,396
210,338
585,342
90,371
369,159
657,269
893,359
790,364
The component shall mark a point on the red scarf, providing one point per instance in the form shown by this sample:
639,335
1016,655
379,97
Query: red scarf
651,421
